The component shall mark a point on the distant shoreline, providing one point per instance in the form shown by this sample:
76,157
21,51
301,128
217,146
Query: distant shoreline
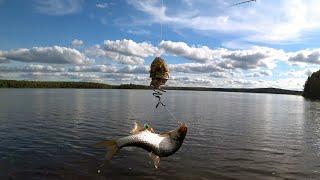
92,85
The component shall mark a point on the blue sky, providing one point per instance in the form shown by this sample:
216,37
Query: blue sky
267,43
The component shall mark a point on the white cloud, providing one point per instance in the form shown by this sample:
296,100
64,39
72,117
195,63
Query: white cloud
195,68
3,60
55,54
220,75
123,59
102,5
32,68
289,83
203,81
306,56
260,74
77,42
134,70
212,67
94,51
199,54
303,73
251,58
95,68
263,21
128,69
131,48
58,7
123,51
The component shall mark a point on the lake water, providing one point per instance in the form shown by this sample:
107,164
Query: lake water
48,134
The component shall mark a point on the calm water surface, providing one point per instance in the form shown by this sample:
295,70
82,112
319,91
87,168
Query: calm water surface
48,134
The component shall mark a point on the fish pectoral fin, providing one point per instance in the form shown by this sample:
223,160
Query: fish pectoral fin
137,128
111,145
156,160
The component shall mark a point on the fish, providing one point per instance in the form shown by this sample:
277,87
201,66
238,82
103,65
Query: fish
158,145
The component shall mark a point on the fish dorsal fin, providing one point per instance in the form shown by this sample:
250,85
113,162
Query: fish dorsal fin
166,133
156,160
137,128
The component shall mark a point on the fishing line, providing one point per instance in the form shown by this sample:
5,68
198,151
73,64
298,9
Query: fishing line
171,114
157,93
161,23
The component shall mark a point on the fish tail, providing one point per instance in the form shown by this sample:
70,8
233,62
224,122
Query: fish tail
111,145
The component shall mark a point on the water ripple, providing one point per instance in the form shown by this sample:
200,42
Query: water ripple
49,133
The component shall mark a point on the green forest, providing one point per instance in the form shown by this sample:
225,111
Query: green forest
92,85
312,86
52,84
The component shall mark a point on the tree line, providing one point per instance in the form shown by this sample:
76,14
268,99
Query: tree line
92,85
52,84
312,86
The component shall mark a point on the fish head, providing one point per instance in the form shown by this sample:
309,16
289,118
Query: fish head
182,131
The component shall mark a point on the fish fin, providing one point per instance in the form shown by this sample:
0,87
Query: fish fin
151,130
137,128
165,133
156,160
111,145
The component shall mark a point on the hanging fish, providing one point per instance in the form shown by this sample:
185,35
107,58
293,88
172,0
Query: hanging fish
159,145
159,74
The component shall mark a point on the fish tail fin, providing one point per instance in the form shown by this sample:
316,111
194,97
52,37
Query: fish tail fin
111,145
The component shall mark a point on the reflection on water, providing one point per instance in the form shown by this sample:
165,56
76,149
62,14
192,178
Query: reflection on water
48,134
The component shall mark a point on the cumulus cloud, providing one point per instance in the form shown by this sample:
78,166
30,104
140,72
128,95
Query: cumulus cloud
94,51
77,42
128,69
32,68
198,54
306,56
289,83
131,48
58,7
301,73
123,59
212,67
134,70
191,81
95,68
252,58
195,68
286,21
123,51
260,74
3,60
55,54
219,75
